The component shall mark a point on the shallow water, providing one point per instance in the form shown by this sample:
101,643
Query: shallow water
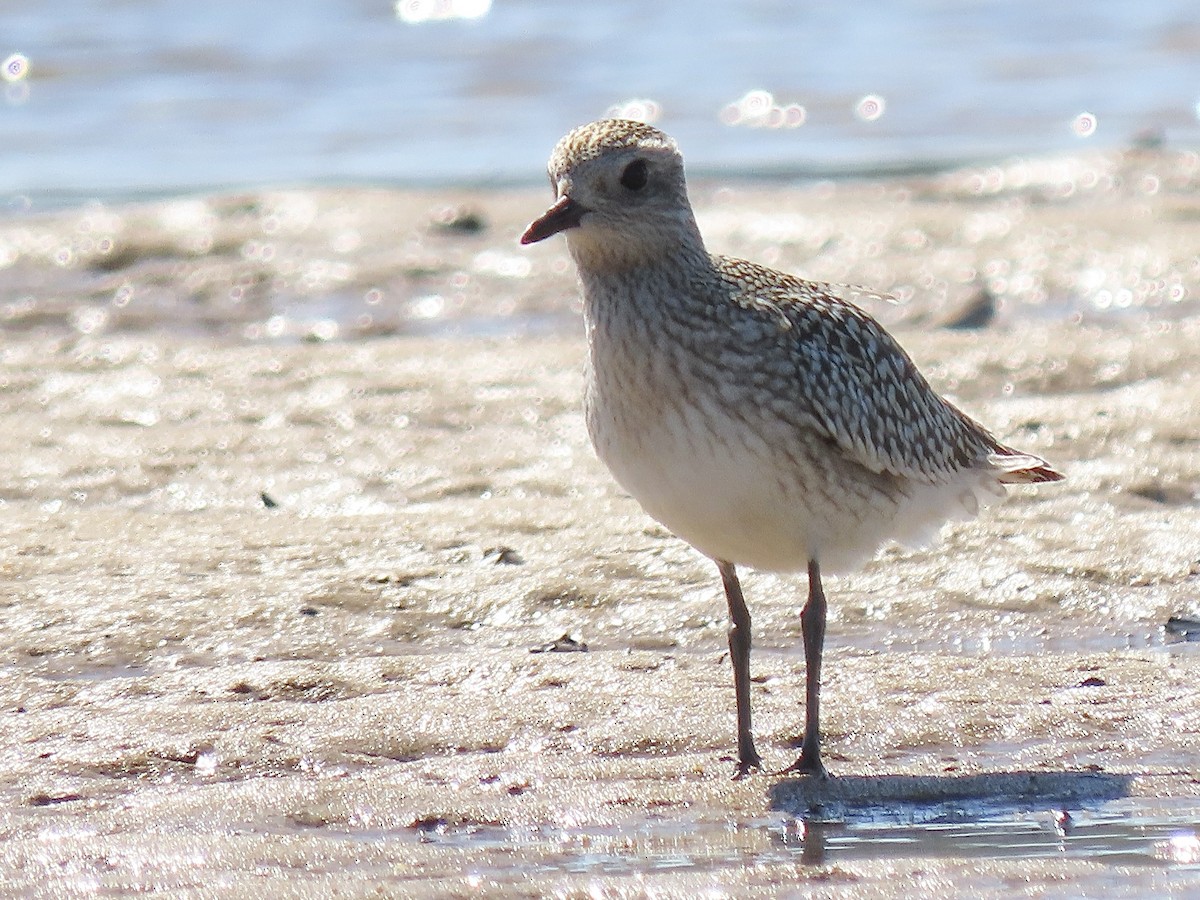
1117,833
112,104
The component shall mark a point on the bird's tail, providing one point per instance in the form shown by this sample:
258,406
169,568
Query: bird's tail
1015,467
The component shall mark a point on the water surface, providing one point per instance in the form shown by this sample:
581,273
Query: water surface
152,96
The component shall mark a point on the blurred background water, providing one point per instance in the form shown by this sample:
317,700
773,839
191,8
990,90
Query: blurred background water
119,98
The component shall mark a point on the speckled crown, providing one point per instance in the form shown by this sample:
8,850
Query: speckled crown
604,136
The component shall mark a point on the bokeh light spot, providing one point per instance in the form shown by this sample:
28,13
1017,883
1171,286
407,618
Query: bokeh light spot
16,67
416,12
870,107
758,109
637,109
1084,125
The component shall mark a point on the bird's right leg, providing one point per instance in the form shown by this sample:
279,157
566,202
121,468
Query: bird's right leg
812,624
739,654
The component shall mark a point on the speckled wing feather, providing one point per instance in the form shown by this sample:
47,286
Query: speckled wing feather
852,380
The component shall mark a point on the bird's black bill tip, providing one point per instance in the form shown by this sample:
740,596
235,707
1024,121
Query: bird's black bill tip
564,214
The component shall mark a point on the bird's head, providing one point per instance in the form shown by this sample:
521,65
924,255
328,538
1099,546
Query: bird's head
620,195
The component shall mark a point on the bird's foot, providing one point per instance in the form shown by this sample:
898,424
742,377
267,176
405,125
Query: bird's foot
747,763
807,764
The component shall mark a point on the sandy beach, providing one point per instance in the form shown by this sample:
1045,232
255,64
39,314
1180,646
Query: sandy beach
295,487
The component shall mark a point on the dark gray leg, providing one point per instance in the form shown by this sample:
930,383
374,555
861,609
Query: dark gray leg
739,654
812,623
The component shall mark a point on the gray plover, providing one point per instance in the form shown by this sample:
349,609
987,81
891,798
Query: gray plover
766,420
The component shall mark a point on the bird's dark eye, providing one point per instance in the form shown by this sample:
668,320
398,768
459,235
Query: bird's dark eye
635,175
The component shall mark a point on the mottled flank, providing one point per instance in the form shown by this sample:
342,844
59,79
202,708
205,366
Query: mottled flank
853,383
765,419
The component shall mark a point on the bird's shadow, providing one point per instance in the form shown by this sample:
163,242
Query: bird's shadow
821,808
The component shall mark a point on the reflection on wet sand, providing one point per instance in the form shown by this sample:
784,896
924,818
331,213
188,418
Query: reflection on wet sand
1091,238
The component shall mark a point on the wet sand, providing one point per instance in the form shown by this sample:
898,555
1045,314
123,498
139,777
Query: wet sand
269,603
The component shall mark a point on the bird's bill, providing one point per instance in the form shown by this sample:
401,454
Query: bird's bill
564,214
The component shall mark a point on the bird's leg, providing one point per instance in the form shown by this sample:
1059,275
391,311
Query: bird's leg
739,654
812,623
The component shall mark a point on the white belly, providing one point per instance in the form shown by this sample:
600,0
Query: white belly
704,489
750,491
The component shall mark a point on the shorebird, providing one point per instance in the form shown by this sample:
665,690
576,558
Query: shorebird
765,419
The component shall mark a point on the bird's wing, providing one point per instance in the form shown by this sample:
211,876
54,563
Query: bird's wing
846,376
